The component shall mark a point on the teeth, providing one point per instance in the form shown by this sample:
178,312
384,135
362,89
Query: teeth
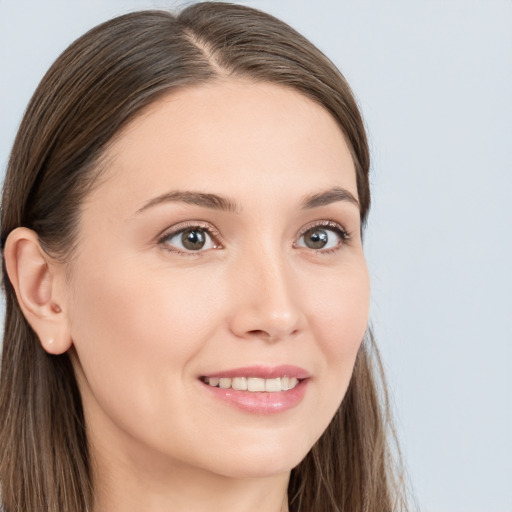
224,383
254,384
289,383
239,383
272,385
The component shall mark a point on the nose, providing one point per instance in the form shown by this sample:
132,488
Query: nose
265,299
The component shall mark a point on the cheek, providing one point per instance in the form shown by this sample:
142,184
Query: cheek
341,312
135,328
340,315
134,307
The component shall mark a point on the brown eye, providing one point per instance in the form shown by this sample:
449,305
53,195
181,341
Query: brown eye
193,239
323,237
316,238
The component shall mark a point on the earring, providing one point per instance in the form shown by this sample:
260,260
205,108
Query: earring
56,308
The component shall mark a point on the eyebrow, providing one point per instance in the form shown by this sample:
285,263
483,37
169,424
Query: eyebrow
216,202
329,196
212,201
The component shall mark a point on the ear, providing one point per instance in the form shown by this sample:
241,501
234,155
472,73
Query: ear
33,276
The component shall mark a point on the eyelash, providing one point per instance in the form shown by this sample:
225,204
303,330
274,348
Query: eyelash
180,228
330,225
214,235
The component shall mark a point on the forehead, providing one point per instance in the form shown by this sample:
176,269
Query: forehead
230,137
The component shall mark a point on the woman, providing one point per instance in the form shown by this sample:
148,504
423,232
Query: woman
186,288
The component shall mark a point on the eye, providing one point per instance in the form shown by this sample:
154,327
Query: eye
323,237
189,239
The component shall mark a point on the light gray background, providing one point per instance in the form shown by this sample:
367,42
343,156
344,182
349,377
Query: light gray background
434,80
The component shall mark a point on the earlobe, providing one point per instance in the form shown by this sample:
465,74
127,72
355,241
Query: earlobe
32,275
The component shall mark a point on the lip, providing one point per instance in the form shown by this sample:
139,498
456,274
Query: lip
263,372
261,402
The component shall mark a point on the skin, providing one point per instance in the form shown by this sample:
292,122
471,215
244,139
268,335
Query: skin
144,319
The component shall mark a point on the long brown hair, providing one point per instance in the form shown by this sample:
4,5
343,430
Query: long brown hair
100,83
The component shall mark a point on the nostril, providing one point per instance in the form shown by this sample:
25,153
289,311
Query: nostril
259,333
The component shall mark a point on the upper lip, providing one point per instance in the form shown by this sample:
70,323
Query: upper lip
263,372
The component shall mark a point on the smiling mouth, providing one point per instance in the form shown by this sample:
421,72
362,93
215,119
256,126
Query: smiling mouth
253,384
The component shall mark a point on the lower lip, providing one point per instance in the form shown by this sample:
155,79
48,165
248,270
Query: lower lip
261,402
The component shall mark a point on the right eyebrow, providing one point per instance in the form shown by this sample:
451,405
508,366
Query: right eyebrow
212,201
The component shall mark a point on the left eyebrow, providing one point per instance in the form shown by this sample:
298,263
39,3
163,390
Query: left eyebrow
329,196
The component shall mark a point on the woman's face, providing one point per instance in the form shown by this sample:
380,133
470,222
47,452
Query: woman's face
220,250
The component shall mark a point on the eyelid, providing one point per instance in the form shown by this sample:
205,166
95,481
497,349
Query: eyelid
182,226
324,223
329,224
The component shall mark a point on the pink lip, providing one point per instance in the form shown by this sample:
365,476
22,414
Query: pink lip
262,402
263,372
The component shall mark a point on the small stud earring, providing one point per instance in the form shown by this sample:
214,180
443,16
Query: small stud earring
56,308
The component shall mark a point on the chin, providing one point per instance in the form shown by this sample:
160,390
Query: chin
262,461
